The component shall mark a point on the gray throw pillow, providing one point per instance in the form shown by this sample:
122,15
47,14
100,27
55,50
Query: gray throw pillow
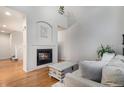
91,70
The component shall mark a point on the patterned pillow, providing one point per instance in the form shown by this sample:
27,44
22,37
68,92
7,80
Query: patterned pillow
113,73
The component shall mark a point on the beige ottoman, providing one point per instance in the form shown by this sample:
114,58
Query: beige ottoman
58,70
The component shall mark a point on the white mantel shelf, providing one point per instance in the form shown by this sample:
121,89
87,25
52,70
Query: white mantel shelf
43,45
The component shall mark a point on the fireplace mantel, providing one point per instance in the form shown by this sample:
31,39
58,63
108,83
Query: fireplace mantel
35,40
33,54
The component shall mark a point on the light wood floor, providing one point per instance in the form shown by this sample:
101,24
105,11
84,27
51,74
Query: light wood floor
12,75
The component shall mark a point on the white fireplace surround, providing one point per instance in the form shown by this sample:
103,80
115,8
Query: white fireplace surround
36,41
33,59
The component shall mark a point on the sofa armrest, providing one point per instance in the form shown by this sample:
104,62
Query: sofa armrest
71,80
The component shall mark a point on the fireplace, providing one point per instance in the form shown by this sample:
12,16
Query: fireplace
44,56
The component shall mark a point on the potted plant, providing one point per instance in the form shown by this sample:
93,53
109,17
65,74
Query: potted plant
104,49
61,10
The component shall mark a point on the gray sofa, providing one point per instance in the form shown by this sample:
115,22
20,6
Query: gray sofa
76,79
98,74
72,80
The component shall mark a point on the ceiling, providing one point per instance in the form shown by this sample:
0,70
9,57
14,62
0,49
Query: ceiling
11,20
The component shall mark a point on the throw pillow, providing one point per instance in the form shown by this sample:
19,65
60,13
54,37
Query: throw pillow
119,57
91,70
107,57
113,73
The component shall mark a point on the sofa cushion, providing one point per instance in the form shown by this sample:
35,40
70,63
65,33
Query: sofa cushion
113,73
91,70
72,80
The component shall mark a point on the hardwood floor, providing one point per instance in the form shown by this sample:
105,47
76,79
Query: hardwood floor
12,75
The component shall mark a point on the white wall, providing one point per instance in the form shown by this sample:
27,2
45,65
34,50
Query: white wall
34,14
90,27
17,42
4,46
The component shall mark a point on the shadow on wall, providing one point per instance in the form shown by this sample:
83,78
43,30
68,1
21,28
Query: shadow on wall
88,27
68,43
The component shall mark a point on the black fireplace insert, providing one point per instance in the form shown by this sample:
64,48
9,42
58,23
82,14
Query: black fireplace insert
44,56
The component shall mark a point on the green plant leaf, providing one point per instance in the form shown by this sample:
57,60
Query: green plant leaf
104,49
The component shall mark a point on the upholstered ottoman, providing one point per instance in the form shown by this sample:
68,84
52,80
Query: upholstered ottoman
58,70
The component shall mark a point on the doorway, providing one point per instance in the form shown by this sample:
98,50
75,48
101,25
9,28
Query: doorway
12,35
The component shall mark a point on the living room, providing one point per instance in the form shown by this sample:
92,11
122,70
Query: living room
58,38
76,46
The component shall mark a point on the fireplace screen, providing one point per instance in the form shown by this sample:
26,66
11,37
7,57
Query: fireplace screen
44,56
